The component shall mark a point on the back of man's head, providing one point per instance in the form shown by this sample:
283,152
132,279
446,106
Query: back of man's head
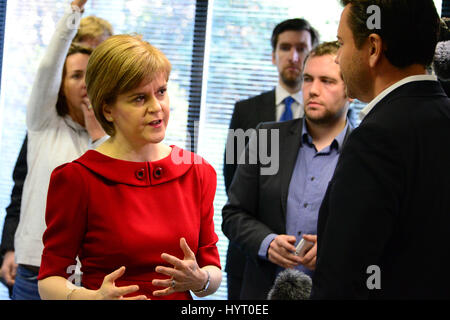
409,28
93,27
295,24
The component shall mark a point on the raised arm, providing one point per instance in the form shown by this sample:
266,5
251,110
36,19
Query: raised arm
44,93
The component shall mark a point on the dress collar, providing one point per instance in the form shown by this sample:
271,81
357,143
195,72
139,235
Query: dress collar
149,173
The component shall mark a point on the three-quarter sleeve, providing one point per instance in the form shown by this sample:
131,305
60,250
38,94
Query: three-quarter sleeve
66,218
207,250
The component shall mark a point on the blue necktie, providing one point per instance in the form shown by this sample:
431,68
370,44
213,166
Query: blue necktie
287,114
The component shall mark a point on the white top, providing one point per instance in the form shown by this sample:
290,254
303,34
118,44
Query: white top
296,107
52,141
423,77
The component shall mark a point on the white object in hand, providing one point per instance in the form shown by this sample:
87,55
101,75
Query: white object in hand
302,247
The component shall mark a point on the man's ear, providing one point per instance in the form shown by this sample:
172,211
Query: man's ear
107,112
375,49
274,60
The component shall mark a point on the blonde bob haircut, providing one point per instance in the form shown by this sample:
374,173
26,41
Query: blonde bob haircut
118,65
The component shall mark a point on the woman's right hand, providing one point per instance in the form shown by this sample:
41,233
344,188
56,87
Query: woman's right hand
109,291
79,3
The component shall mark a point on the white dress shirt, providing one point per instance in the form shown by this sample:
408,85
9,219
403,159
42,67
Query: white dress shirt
423,77
296,107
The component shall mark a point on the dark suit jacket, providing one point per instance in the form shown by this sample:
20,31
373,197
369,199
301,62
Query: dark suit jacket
388,203
256,207
13,210
247,114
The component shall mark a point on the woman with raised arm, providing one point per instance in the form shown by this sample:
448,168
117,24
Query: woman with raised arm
61,127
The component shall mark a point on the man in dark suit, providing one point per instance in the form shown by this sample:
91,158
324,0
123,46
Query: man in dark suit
291,41
9,268
383,228
273,204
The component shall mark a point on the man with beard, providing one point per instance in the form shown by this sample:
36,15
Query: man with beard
387,206
291,41
267,215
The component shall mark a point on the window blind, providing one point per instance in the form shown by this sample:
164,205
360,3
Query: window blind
3,290
2,29
445,8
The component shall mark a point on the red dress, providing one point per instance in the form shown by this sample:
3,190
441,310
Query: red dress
112,213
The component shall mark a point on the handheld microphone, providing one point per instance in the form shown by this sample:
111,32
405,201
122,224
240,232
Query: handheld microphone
441,62
444,31
291,284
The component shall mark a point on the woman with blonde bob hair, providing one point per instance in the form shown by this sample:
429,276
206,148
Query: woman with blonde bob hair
140,223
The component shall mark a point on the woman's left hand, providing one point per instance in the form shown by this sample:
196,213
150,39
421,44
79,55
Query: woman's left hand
186,274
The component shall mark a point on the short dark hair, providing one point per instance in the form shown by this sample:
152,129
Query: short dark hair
409,28
295,24
61,104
